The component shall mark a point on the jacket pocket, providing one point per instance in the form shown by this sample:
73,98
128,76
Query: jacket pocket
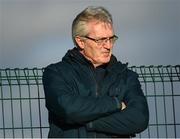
117,89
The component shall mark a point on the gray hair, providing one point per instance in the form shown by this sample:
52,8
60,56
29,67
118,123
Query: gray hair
79,25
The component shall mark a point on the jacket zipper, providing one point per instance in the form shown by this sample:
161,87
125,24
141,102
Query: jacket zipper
96,85
96,89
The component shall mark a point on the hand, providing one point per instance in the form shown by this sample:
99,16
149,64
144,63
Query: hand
123,105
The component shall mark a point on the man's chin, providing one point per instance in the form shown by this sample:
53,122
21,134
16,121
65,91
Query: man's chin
103,60
106,60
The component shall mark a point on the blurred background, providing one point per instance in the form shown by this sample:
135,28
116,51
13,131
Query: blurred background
35,33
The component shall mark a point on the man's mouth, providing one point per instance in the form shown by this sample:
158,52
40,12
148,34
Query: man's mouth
106,53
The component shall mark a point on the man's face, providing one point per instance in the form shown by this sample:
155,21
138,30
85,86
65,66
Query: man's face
98,52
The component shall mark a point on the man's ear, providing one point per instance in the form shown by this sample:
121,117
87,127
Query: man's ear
80,42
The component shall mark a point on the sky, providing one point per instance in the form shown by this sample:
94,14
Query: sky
36,33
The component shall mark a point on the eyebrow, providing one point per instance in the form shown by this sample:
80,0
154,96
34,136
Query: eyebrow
99,38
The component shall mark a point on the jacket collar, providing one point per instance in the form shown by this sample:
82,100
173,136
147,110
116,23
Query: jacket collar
73,55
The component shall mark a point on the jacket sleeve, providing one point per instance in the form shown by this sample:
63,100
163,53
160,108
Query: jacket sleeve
133,119
70,107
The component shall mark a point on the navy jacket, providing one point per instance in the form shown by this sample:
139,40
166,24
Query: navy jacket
79,107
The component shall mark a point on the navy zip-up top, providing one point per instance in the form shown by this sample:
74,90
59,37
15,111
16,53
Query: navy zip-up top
86,102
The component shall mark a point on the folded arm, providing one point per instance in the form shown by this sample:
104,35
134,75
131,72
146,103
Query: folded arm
133,119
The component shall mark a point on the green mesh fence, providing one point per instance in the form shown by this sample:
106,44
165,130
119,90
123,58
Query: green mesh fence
23,113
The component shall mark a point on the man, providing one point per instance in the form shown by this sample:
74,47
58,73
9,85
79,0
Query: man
89,93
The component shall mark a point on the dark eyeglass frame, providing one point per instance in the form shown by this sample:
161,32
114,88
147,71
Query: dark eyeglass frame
103,40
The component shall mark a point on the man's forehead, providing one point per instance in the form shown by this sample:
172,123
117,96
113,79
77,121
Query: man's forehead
98,28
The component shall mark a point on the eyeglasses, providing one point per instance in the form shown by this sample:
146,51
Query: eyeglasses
103,40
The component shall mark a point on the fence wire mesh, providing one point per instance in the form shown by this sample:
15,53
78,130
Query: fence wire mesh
23,113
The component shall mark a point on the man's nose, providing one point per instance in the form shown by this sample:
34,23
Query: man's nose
107,44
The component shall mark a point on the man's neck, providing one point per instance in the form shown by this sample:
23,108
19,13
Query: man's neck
89,59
